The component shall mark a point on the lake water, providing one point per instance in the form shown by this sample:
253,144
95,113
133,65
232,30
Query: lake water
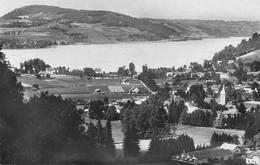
109,57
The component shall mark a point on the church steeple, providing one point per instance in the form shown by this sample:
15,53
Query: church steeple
223,95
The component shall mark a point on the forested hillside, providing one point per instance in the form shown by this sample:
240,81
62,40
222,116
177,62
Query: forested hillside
231,53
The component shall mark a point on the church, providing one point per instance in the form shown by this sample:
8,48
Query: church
222,100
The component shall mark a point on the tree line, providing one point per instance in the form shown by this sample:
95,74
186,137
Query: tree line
15,43
218,139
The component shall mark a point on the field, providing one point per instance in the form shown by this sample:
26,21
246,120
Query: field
77,88
202,135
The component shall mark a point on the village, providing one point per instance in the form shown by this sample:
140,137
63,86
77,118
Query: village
234,98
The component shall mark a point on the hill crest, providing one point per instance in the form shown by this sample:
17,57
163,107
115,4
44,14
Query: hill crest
94,26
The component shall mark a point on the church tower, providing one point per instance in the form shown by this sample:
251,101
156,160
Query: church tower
223,96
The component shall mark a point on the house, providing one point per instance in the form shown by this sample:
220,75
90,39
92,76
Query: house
253,158
125,82
98,91
231,62
250,104
253,73
98,70
248,89
235,149
169,74
203,156
50,71
134,90
43,74
223,75
215,88
232,110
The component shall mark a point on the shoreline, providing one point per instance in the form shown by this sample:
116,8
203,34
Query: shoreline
130,42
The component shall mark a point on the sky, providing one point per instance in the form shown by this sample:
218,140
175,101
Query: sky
236,10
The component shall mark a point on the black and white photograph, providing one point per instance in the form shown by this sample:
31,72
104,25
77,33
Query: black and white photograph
143,82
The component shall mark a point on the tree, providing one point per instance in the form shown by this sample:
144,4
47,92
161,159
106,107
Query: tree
145,68
121,71
197,94
34,65
53,123
112,113
175,111
13,113
242,108
132,68
89,72
131,143
100,135
254,86
91,132
250,126
109,142
96,109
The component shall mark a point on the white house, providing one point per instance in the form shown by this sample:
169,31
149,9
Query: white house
134,90
232,147
254,158
169,74
50,71
98,70
223,75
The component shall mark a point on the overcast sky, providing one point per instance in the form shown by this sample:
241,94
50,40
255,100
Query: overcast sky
170,9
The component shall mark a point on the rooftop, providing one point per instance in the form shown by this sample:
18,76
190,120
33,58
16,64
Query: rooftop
194,156
228,146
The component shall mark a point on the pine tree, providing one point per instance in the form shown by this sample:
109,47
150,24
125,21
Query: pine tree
250,128
131,143
242,108
109,142
172,108
100,134
91,132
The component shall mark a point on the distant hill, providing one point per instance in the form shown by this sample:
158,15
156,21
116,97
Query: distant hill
66,26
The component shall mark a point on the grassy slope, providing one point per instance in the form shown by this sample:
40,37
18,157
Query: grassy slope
202,135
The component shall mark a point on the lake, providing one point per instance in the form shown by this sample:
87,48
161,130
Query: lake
109,57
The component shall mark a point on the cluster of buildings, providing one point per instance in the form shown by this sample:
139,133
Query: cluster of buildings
225,152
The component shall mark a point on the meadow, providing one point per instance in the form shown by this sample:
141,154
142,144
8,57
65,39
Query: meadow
200,135
78,88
